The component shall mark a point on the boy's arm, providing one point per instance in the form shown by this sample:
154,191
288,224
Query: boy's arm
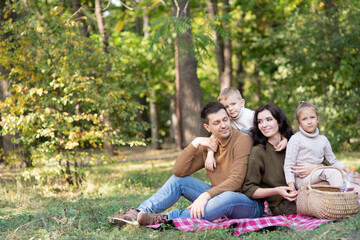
282,144
191,159
210,162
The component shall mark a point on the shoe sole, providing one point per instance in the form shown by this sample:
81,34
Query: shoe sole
121,222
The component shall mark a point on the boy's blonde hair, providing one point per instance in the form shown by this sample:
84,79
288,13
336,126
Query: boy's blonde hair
227,92
302,105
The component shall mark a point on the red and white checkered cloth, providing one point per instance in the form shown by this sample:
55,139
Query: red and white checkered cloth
296,221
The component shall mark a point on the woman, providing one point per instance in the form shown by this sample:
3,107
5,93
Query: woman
265,178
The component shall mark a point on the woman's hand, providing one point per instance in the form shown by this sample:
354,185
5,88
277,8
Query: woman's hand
287,192
304,169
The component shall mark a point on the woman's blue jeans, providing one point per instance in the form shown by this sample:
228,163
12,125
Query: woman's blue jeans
227,204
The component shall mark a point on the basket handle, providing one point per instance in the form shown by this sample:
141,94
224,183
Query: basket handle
324,167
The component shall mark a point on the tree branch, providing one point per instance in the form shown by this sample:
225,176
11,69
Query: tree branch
126,6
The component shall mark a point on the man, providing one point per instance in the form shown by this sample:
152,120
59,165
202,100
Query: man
220,199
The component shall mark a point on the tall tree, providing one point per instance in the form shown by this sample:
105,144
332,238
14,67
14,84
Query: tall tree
188,91
223,49
154,116
6,15
226,77
108,146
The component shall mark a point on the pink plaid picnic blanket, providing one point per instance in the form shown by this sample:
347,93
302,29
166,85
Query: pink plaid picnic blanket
296,221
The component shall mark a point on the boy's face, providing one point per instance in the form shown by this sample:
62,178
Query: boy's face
233,105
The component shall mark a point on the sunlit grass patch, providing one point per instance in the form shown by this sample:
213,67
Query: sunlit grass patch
42,210
351,159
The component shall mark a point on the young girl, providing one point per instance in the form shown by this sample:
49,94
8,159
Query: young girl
307,146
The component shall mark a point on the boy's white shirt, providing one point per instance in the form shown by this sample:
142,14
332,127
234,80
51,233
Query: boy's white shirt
244,121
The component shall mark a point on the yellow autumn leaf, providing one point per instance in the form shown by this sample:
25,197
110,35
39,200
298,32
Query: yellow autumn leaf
119,26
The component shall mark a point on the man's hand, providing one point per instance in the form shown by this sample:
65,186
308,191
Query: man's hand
304,169
197,208
205,142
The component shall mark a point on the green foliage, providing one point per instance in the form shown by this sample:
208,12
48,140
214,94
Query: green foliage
168,28
154,72
302,50
322,66
63,87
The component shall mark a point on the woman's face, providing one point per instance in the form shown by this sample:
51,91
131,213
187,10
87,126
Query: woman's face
267,124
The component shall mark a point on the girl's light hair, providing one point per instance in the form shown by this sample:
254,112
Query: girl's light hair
302,105
227,92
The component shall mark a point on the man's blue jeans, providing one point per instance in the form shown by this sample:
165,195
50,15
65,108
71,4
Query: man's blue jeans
227,204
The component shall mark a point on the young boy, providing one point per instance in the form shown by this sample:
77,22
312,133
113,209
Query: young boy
241,119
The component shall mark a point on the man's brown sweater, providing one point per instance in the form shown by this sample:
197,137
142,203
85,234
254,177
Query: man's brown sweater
231,163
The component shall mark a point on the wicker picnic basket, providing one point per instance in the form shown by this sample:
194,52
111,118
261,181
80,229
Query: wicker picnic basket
326,202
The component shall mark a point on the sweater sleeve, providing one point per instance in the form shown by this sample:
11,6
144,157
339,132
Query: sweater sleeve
330,156
189,161
292,151
239,157
254,172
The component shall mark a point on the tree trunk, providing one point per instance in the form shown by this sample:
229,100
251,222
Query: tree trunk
226,77
155,136
155,128
83,27
6,141
142,116
100,24
189,94
109,148
223,49
240,68
218,40
173,127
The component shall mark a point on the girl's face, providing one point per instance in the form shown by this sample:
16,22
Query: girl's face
308,119
267,124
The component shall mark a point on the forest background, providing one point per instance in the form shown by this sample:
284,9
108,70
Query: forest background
80,76
86,83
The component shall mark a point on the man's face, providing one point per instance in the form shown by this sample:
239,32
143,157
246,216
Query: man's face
219,125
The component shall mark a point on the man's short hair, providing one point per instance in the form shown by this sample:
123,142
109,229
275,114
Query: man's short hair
228,92
211,107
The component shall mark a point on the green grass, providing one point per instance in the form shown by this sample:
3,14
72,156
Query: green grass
45,208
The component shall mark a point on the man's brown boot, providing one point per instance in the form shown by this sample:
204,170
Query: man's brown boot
130,217
145,219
